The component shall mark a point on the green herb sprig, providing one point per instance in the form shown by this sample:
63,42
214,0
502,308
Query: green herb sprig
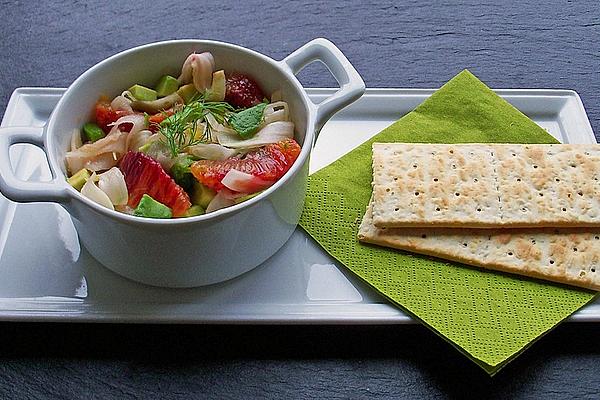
174,127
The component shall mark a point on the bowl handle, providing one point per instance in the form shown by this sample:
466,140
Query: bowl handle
23,191
351,84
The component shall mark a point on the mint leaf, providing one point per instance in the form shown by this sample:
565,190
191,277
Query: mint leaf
246,122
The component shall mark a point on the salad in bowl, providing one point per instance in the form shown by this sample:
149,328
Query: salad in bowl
212,139
192,144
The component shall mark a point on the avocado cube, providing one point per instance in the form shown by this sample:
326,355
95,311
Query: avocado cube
218,87
187,93
79,178
180,172
166,85
142,93
150,208
92,132
202,195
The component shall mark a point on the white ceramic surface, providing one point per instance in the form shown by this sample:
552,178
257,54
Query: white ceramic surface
183,252
300,284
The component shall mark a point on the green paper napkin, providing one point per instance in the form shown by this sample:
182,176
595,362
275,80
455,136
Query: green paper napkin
491,317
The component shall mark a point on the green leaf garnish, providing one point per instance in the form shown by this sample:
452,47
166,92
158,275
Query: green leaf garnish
247,122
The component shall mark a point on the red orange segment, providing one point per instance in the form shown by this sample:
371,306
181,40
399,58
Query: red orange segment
269,163
144,175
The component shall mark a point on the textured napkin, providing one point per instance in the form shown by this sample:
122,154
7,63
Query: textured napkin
491,317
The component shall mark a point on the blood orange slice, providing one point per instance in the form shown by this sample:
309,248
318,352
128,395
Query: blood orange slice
268,163
144,175
105,115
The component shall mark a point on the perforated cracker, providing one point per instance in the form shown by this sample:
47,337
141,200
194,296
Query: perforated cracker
417,184
486,186
564,255
549,185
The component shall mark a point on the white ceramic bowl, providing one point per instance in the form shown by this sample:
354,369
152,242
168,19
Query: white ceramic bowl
194,251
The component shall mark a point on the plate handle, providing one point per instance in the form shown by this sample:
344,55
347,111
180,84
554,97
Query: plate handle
351,84
24,191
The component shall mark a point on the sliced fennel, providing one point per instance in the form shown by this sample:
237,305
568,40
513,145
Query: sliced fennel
94,193
271,133
112,183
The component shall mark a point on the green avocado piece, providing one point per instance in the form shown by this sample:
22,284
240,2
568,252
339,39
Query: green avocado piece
142,93
150,208
166,85
79,178
194,210
246,122
187,93
180,171
218,88
92,132
202,195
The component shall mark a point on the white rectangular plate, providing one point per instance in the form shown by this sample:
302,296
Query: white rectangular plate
46,276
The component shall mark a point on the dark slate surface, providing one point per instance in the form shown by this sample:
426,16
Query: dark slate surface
515,44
